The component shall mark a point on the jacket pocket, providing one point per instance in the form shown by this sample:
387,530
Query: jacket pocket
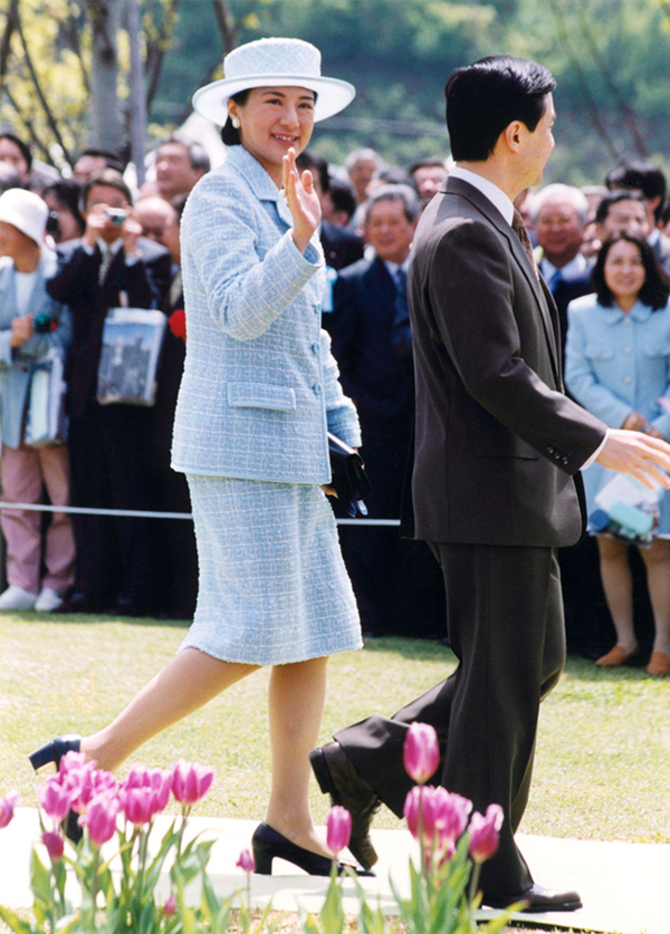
261,396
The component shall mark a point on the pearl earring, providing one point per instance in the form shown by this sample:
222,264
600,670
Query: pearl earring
236,123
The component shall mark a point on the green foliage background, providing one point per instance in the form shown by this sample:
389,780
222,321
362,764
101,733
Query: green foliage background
608,55
611,59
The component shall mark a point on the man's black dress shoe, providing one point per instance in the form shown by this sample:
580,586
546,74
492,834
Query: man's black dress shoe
537,899
267,843
338,778
53,751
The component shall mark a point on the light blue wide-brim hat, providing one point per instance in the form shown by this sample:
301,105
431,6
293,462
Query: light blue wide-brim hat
273,63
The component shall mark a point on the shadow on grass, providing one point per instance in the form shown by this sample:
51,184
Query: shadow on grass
422,649
86,619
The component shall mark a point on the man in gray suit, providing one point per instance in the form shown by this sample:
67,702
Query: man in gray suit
495,486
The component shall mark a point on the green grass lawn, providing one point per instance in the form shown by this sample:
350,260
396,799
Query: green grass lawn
603,748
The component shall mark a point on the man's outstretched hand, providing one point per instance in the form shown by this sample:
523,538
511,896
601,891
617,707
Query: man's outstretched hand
642,456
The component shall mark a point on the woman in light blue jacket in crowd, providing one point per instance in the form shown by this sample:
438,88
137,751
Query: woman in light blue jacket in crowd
31,325
258,395
618,366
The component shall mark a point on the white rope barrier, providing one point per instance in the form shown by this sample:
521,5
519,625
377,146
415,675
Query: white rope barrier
148,514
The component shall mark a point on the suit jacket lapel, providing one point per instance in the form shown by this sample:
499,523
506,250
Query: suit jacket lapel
546,307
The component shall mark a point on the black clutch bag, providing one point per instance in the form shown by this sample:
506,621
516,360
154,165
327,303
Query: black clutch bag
349,479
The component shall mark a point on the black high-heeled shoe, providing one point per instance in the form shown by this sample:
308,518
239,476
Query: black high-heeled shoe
53,751
267,843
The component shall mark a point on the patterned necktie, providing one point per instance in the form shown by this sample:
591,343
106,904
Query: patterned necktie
107,258
519,229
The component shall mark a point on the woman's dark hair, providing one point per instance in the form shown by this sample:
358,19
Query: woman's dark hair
486,97
229,135
68,193
24,147
655,289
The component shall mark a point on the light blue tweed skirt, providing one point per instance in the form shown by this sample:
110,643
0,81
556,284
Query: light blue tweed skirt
273,588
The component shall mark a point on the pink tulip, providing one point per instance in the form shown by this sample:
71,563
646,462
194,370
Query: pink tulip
421,752
170,906
437,814
7,805
54,844
100,817
485,832
338,828
55,797
137,804
161,786
75,760
190,782
157,781
453,818
86,782
246,862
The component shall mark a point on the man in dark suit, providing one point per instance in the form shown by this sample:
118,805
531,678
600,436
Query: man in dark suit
494,489
396,582
110,265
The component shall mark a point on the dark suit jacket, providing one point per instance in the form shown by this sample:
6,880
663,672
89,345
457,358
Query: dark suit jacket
496,441
340,246
375,373
76,284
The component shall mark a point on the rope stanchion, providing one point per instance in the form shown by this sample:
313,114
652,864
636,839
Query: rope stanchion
149,514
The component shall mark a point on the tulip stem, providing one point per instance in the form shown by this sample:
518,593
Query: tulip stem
474,880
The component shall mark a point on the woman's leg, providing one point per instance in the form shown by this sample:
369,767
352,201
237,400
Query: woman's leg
657,562
296,698
188,682
618,587
22,483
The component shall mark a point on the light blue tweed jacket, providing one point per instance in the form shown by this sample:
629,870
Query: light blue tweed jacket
16,364
260,387
617,363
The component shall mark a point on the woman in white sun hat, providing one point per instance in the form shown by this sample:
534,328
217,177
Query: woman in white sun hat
32,325
258,395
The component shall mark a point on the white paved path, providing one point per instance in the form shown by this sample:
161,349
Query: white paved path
625,887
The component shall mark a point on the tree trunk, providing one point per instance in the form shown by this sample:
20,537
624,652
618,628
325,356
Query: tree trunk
105,110
138,109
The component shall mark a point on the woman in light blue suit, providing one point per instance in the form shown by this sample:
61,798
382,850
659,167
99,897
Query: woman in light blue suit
32,324
618,367
258,395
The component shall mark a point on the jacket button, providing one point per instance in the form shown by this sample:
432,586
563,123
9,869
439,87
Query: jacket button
317,389
316,348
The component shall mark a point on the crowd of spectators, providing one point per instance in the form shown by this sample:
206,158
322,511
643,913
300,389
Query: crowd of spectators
119,454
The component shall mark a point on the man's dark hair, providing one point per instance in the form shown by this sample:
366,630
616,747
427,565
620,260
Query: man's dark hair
433,162
656,288
614,197
343,196
310,160
642,175
24,147
112,157
109,177
196,153
486,97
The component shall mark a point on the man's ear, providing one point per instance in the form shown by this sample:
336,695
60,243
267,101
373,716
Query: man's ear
513,135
